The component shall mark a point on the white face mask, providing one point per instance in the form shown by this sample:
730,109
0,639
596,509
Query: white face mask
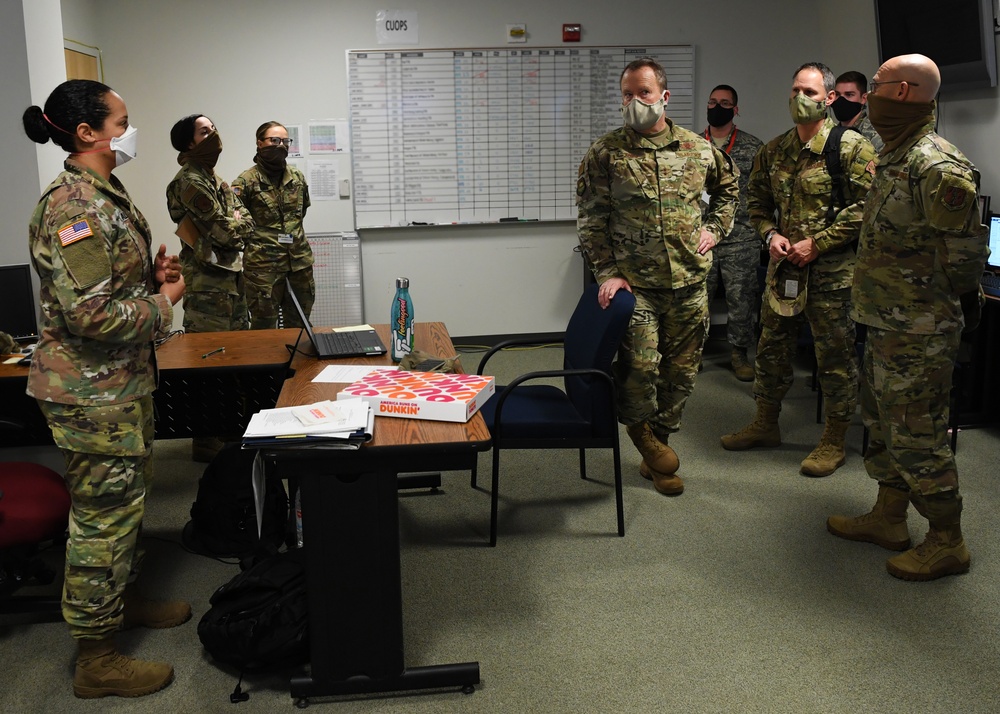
641,116
124,146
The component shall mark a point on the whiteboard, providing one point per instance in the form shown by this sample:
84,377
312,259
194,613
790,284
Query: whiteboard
487,135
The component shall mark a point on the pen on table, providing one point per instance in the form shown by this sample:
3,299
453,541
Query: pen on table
213,352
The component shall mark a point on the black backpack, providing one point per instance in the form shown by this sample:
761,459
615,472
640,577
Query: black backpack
259,619
834,167
224,516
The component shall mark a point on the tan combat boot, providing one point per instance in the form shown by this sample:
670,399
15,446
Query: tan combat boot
657,455
156,614
762,431
742,367
884,525
829,454
943,552
667,484
102,671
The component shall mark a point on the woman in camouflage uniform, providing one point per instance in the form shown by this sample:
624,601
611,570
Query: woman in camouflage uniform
277,196
104,297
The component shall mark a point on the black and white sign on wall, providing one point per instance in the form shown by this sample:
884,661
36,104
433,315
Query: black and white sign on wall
396,27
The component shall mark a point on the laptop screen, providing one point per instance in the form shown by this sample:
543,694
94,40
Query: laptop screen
994,260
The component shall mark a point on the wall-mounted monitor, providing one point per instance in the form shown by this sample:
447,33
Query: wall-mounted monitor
18,308
956,34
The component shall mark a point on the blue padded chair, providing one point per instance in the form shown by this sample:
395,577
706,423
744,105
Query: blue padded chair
583,415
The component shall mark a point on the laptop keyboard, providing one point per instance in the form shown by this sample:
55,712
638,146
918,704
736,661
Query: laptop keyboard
991,284
338,343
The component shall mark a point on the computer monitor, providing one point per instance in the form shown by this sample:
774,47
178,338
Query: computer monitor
18,309
994,260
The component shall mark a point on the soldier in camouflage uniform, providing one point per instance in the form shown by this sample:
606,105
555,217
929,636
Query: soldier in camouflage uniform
737,256
212,253
812,262
104,299
277,196
640,226
850,107
920,258
213,265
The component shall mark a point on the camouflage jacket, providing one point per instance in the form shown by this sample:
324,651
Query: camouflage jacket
744,148
791,190
91,249
864,125
223,227
922,244
277,211
639,206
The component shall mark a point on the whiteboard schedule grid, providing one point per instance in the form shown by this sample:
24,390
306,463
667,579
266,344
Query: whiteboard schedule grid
487,135
337,272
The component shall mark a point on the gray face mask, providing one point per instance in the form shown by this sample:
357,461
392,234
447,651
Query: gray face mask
805,110
641,116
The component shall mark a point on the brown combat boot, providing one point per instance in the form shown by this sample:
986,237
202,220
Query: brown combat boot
829,454
762,431
102,671
942,553
657,455
742,367
884,525
156,614
667,484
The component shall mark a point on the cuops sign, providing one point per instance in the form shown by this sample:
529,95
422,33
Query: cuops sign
396,27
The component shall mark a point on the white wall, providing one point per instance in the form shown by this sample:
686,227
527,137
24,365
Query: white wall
246,61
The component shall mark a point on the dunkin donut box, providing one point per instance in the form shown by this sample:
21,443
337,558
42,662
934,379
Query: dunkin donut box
438,396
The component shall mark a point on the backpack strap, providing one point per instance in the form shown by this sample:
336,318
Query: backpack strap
834,167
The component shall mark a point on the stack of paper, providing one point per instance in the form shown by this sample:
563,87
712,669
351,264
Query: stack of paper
342,424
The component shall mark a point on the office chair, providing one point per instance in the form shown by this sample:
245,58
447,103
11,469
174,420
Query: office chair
34,508
583,414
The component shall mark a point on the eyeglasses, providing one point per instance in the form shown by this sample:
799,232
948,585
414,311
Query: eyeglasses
725,104
276,140
873,84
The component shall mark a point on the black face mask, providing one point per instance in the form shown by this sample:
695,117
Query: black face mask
720,116
844,109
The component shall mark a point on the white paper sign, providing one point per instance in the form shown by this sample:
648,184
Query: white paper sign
396,27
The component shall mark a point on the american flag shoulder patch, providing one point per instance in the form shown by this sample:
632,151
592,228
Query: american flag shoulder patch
72,232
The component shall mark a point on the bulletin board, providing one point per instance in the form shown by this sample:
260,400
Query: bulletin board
456,136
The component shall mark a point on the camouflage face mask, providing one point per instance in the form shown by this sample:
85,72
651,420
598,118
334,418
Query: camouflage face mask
805,110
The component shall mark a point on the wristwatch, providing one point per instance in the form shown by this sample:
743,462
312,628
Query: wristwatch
769,235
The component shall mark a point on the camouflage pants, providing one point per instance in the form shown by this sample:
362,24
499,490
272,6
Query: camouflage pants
109,470
905,395
737,268
266,294
658,360
833,338
216,311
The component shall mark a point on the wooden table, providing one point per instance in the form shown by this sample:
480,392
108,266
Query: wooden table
197,395
350,523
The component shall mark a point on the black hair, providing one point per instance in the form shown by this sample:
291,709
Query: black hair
661,74
829,83
856,78
74,102
182,133
726,88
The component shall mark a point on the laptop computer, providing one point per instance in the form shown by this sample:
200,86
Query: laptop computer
333,345
991,278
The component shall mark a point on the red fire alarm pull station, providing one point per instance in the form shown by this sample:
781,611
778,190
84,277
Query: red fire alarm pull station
571,32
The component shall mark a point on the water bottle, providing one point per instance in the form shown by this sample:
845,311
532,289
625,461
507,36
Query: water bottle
401,321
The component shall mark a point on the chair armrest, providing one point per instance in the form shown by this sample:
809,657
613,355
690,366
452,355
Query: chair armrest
513,342
546,374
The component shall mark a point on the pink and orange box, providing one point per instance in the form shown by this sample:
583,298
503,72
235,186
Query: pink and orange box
438,396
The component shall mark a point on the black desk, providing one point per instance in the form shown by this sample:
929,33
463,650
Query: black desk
350,527
979,358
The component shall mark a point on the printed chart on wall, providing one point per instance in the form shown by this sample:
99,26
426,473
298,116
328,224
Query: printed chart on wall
486,135
337,272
